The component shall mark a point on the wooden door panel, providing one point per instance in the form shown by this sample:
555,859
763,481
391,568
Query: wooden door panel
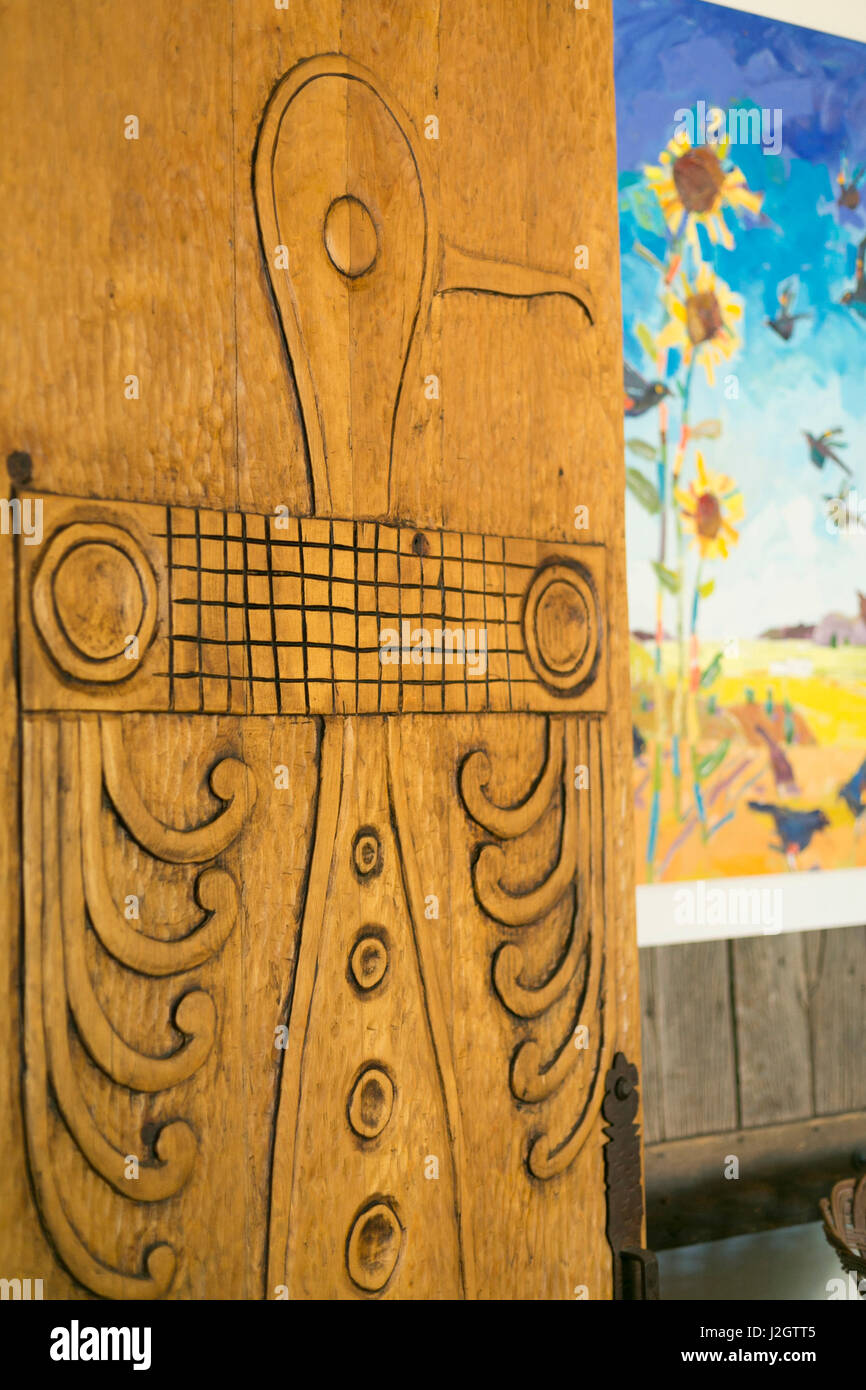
338,949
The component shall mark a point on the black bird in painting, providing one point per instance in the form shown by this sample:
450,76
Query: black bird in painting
641,395
638,742
823,446
794,828
853,791
856,298
783,323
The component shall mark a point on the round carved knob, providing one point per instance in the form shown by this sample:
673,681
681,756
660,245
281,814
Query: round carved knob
367,852
95,601
350,236
368,962
371,1102
562,627
373,1247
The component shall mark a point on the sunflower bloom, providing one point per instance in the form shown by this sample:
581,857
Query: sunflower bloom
694,187
707,509
701,320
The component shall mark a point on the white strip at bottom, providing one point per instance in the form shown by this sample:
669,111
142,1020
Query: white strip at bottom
717,909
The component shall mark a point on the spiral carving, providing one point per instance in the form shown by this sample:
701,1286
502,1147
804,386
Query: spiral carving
66,889
550,1070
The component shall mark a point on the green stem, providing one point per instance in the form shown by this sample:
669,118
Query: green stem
679,701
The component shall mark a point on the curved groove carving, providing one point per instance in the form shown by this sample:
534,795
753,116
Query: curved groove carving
520,909
507,822
65,884
194,1015
463,272
556,1074
215,891
529,1001
230,781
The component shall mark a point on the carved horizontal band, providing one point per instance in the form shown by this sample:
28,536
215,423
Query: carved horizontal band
136,607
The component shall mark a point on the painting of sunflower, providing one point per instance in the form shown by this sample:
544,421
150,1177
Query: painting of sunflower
701,318
694,185
708,507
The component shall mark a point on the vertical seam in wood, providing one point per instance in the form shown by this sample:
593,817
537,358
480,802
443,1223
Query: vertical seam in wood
735,1039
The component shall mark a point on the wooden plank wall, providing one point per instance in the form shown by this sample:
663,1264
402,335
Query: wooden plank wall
754,1032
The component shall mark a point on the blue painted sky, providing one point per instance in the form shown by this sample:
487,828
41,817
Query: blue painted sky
669,55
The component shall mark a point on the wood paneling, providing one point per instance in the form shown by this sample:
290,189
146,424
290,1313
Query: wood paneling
793,1032
696,1072
771,1004
838,1022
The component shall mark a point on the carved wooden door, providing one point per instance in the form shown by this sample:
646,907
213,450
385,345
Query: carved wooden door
319,657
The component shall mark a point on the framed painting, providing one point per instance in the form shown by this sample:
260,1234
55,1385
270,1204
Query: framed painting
742,183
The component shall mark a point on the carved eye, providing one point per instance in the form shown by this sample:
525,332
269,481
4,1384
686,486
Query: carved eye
367,853
350,237
369,961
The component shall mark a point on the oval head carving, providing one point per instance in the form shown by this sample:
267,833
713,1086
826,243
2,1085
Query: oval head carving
345,235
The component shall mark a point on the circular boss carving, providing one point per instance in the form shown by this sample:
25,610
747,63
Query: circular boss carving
368,961
373,1246
371,1101
350,236
561,626
367,852
94,590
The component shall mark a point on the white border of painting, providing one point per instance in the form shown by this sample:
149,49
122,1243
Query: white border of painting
804,901
847,18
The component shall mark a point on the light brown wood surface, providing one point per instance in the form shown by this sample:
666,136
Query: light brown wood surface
312,938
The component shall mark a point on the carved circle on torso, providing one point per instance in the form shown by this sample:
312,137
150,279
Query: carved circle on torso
94,591
373,1246
368,961
350,237
562,626
367,853
371,1101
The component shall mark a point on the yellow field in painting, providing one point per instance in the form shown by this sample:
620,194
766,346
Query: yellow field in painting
825,688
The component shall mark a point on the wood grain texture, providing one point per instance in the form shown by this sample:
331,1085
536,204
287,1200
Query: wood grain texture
774,1062
122,250
795,1038
837,1008
695,1056
331,1001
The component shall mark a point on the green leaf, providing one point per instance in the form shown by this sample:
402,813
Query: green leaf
706,429
645,491
711,672
642,449
669,579
646,340
706,588
708,765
